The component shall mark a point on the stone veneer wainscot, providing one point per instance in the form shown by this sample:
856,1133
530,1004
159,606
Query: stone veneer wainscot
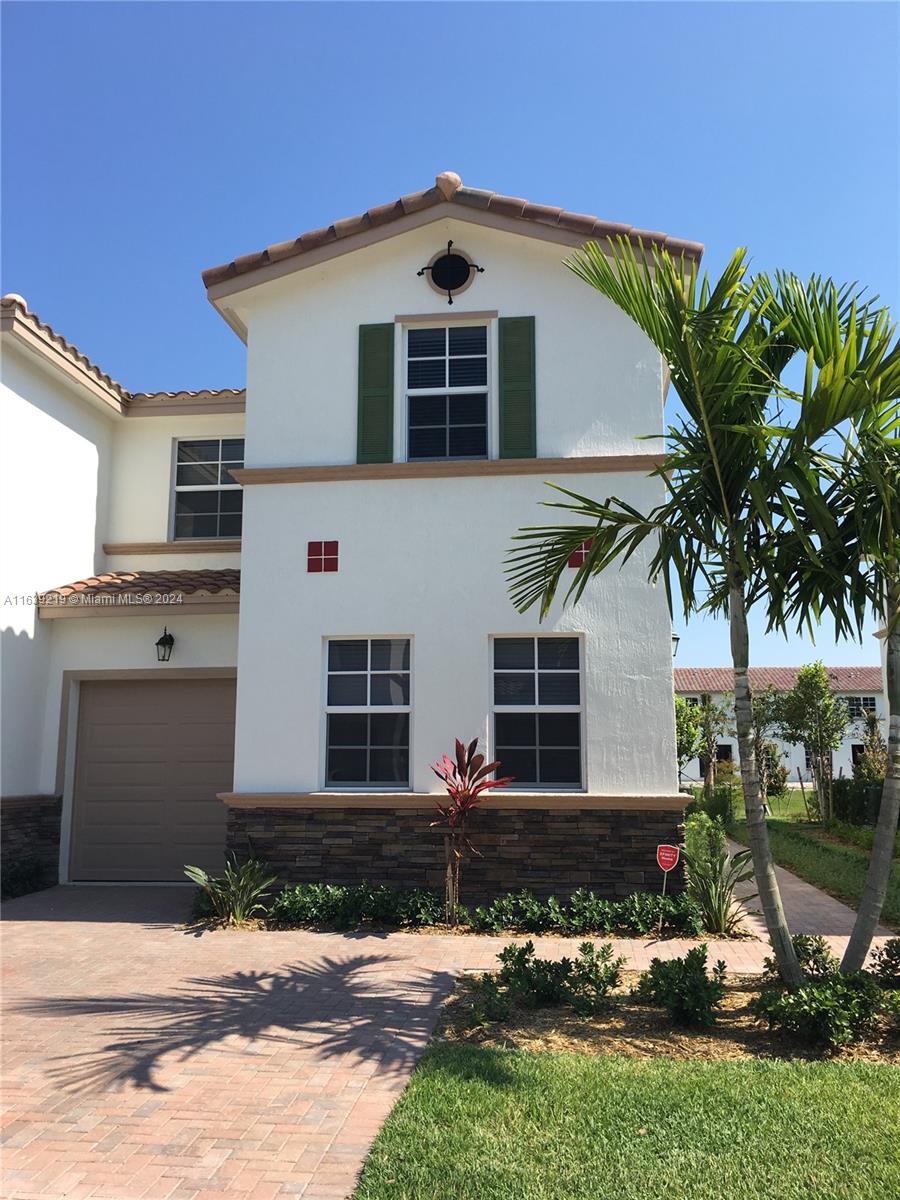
548,851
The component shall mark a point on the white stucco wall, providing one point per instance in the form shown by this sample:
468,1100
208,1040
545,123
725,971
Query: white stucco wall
54,482
142,481
598,379
793,757
114,644
423,559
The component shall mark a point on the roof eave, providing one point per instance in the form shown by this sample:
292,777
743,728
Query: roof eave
278,261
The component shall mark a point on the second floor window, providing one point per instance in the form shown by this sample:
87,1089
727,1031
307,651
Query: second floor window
208,500
858,706
447,392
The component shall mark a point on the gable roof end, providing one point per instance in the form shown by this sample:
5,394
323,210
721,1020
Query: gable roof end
449,189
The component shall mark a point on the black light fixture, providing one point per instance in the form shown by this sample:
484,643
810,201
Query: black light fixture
164,646
676,638
450,271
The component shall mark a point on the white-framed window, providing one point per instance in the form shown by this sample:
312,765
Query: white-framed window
538,711
208,500
692,701
858,706
367,712
447,392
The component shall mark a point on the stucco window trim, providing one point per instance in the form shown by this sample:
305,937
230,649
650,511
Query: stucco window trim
327,710
177,489
537,709
403,392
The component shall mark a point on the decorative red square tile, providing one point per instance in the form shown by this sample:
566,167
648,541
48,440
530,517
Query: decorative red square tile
578,557
321,556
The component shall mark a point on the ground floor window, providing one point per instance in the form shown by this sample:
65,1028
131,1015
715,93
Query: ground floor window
538,710
367,711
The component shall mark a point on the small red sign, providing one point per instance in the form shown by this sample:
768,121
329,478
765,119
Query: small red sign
667,857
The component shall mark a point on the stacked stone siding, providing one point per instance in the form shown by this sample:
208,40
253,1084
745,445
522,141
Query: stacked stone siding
29,842
548,851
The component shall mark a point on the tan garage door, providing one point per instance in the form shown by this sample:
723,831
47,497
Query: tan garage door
151,757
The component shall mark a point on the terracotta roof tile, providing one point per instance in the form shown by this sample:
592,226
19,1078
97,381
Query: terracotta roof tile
14,305
15,308
448,187
206,582
694,680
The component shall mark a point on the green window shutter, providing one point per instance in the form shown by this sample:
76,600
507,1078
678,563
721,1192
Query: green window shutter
518,437
375,417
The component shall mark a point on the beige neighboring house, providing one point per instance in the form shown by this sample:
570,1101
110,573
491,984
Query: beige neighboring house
861,688
334,584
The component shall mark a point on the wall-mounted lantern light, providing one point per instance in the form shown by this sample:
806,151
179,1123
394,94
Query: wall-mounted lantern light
164,646
676,638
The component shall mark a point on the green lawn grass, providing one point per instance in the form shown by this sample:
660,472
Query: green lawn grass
838,869
481,1124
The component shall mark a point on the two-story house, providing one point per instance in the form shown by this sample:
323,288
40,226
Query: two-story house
860,688
330,549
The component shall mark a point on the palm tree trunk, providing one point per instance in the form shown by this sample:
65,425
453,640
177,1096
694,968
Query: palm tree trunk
880,860
757,831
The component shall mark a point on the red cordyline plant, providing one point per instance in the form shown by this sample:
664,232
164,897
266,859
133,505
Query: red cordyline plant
466,781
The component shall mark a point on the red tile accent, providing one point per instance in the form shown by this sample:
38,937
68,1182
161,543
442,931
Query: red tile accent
321,556
577,557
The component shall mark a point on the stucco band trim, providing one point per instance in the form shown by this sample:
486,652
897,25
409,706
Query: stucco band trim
536,800
191,606
587,465
211,546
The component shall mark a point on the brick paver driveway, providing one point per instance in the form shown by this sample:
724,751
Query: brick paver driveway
141,1061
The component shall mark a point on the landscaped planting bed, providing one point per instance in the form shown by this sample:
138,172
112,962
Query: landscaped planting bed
335,906
573,1080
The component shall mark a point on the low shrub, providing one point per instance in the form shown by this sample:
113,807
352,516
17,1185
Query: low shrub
489,1002
237,895
585,982
713,874
886,964
815,958
860,836
586,912
530,980
343,906
855,801
832,1012
720,806
684,988
595,974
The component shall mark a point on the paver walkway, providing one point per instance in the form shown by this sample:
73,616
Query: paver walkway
144,1063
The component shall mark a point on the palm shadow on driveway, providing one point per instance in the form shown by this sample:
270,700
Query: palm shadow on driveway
352,1008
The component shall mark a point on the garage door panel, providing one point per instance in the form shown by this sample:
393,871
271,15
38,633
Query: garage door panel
150,758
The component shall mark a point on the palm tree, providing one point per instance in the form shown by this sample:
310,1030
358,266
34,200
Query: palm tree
733,472
857,570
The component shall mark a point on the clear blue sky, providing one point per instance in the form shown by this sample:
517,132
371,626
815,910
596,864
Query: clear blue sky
143,142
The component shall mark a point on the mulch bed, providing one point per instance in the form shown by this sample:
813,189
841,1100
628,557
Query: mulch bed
635,1029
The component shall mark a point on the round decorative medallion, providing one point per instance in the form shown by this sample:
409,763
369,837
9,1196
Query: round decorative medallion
450,271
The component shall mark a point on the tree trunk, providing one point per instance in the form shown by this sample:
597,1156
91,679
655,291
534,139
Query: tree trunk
757,830
881,858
